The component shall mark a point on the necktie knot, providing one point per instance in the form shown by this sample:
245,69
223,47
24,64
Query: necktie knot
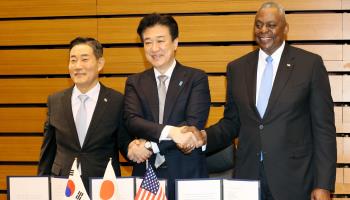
83,98
269,59
162,79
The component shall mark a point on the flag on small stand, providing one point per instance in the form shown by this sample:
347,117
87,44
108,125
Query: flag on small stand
150,187
109,184
75,188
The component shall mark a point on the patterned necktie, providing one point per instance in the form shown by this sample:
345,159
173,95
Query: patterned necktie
81,119
265,87
161,96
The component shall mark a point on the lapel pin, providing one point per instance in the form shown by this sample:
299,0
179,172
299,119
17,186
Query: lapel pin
289,66
105,100
180,83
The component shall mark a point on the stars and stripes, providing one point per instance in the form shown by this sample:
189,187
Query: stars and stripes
150,188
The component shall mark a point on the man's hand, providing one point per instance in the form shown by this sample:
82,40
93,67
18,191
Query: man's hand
137,151
201,136
320,194
184,140
200,139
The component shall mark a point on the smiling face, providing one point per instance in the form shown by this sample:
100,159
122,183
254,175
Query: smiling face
84,67
159,47
270,29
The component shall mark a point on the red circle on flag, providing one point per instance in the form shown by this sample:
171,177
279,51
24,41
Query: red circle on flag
70,188
107,190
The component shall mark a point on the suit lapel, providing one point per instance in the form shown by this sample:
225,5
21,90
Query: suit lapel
68,113
250,74
150,90
285,68
101,105
178,81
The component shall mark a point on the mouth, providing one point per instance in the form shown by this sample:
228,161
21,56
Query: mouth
265,39
78,74
156,57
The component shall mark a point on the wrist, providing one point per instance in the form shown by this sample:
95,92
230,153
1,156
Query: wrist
148,146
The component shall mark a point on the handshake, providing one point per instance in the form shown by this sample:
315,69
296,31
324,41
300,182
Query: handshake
187,138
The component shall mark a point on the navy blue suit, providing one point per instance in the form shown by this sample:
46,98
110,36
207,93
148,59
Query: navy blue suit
296,134
187,103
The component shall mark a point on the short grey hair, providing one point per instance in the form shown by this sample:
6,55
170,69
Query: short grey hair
271,4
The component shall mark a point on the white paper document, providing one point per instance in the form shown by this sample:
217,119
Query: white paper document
241,190
28,188
58,188
125,188
200,189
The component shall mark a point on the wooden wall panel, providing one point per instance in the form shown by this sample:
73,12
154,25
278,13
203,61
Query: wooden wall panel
34,61
346,26
129,60
20,148
315,26
33,90
45,32
227,28
15,170
22,120
186,6
43,8
345,4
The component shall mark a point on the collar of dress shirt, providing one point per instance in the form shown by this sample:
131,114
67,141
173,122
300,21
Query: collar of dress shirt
168,73
92,93
276,56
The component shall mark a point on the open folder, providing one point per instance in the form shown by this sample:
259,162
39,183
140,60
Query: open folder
217,189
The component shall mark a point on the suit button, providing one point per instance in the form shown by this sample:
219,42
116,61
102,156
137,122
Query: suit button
261,127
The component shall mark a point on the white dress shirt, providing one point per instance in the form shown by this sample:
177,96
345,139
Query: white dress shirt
276,56
90,102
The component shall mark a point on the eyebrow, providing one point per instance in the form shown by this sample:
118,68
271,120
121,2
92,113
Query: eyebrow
161,36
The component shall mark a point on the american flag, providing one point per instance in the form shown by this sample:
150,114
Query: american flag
150,188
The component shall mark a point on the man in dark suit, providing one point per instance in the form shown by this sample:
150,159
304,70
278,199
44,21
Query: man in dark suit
100,134
284,120
157,118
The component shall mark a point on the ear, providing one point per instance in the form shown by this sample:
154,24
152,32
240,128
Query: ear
176,43
286,29
100,63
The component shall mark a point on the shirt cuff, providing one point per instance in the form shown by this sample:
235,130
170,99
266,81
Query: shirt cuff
155,147
165,133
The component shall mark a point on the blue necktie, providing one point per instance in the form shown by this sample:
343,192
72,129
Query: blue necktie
265,87
81,119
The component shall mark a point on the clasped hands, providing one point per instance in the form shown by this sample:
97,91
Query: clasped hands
187,138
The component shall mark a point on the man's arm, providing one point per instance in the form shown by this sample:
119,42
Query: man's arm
221,134
134,117
48,147
323,128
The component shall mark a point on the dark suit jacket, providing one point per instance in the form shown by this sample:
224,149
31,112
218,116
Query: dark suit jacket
297,133
106,135
187,103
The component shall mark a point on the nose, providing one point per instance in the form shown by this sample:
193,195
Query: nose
76,65
154,47
264,29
